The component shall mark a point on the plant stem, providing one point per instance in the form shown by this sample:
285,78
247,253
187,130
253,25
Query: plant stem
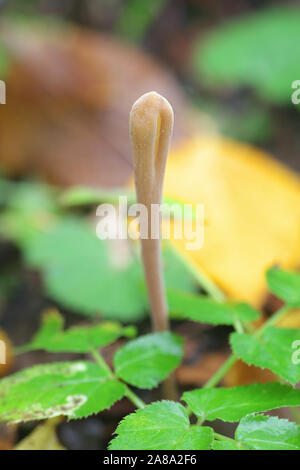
215,379
220,437
101,362
239,328
135,399
273,319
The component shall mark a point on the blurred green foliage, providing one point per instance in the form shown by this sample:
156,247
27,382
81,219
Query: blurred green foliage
79,274
249,125
79,270
83,339
260,50
4,62
22,6
136,17
82,196
249,122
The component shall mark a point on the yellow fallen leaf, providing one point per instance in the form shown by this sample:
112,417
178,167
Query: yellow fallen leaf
242,374
43,437
6,354
290,320
252,212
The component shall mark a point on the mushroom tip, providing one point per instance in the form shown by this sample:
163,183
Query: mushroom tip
152,100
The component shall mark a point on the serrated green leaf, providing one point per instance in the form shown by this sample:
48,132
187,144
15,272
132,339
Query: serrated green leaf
256,50
72,389
202,309
285,285
161,426
231,404
226,445
262,432
272,350
52,325
51,336
146,361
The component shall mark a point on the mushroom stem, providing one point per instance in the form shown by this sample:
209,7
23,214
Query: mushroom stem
151,125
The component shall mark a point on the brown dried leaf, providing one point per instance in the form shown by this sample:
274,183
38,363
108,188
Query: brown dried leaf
70,93
242,374
199,373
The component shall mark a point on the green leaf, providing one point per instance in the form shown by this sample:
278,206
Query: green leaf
248,122
202,309
28,197
262,432
51,336
136,17
272,350
31,211
4,62
226,445
147,360
256,50
6,188
161,426
231,404
85,196
73,389
79,272
177,275
285,285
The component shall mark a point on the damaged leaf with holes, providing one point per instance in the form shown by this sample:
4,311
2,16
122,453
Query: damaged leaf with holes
72,389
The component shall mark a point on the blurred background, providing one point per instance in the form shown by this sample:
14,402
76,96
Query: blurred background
72,70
